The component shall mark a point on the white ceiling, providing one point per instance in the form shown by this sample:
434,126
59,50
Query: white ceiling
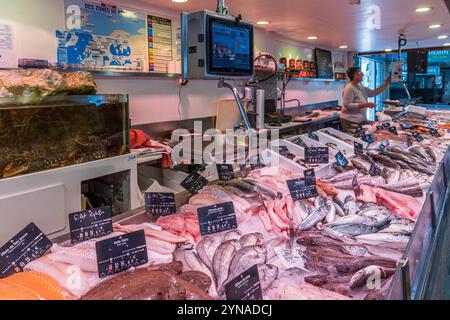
336,22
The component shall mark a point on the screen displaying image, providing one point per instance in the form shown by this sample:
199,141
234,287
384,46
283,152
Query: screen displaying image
231,47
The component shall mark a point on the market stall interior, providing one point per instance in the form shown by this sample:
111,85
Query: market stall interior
169,150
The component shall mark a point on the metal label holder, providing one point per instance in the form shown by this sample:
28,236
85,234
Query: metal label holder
406,278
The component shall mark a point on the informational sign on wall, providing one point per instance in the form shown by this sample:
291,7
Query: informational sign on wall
159,43
100,36
7,56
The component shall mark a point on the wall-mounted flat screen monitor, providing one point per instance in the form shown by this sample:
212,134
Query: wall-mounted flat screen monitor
229,47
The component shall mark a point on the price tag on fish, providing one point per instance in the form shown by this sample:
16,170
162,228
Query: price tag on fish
246,286
121,253
359,148
317,155
194,183
405,126
309,173
434,133
28,245
303,188
217,218
341,160
380,128
417,136
384,148
386,125
313,136
225,172
368,138
90,224
393,130
160,203
409,141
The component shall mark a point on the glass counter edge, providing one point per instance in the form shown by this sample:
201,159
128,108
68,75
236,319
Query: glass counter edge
51,100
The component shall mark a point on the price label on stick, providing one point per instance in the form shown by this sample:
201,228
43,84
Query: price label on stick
317,155
417,136
225,172
309,173
384,148
283,150
380,128
313,136
26,246
373,170
303,188
386,125
243,169
90,224
393,130
359,148
256,163
160,203
194,183
121,253
368,138
246,286
217,218
341,160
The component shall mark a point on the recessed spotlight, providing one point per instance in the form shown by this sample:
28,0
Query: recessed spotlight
435,26
262,22
312,38
388,50
180,0
423,9
443,37
343,47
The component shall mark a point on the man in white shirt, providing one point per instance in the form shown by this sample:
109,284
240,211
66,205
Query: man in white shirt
355,99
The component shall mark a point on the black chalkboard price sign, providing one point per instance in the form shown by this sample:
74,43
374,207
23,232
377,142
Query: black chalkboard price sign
121,253
28,245
324,63
90,224
225,172
303,188
358,148
246,286
317,155
160,203
194,183
217,218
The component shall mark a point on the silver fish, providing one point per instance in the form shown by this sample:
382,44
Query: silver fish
350,205
432,153
263,189
339,211
399,229
314,218
331,216
382,237
343,176
243,260
271,246
232,235
350,219
358,165
356,229
267,275
339,236
222,259
206,248
361,277
420,151
251,239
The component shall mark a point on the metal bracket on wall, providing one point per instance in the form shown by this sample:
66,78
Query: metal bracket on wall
406,278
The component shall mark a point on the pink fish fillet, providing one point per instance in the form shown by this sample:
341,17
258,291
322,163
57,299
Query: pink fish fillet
158,234
69,277
265,220
279,210
162,247
204,200
401,205
173,223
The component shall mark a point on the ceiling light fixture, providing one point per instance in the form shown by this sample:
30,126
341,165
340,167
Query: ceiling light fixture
446,44
312,38
180,1
343,47
435,26
262,22
423,9
388,50
443,37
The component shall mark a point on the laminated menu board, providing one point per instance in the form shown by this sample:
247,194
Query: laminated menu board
159,43
324,64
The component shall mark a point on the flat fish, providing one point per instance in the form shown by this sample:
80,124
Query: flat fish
251,239
223,256
361,277
206,248
382,237
232,235
267,275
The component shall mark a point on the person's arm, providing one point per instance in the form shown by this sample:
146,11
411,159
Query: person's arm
349,97
380,90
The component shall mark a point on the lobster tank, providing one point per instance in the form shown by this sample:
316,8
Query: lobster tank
58,154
